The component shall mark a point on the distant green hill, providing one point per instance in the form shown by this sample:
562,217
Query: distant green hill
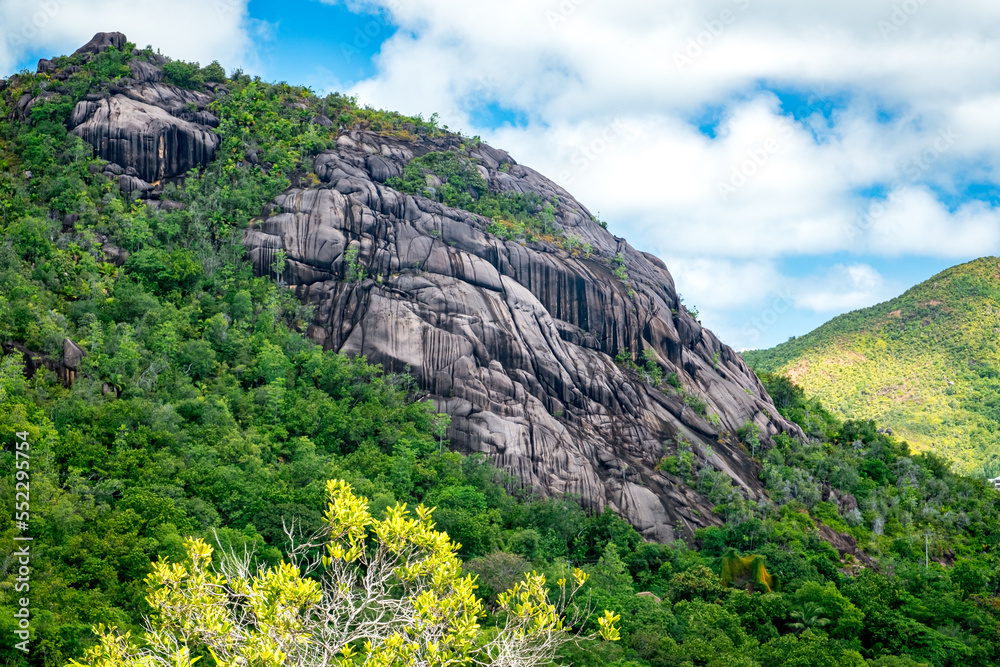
925,364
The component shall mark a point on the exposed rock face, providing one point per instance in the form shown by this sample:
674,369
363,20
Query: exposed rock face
517,342
142,136
73,354
145,72
66,368
845,544
171,99
148,130
101,41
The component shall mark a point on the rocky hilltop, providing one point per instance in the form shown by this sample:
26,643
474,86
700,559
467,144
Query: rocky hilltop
518,341
544,352
146,129
179,244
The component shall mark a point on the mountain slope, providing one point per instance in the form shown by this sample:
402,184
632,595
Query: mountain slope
925,364
164,391
546,339
512,323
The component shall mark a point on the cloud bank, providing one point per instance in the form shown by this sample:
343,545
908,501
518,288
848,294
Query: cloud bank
730,137
194,30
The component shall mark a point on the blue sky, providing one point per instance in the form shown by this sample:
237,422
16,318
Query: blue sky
790,161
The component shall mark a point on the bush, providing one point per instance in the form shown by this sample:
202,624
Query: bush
811,649
186,75
514,216
497,572
696,404
698,583
214,72
846,620
165,272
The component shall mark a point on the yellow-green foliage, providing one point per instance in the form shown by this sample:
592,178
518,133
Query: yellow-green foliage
389,592
746,571
925,364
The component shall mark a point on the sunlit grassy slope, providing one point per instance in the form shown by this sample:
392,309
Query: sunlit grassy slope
925,364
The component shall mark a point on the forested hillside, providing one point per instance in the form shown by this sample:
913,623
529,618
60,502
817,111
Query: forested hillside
925,364
167,392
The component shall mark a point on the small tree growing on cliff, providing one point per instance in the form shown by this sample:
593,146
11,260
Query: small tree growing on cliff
353,269
379,593
280,262
441,423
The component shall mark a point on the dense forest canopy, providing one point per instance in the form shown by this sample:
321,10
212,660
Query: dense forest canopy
201,409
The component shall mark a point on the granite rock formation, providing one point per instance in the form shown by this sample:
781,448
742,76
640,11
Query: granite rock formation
517,342
158,130
144,136
66,368
101,41
521,343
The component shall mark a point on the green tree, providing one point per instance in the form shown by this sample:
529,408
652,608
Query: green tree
185,75
808,616
441,423
845,620
697,583
809,649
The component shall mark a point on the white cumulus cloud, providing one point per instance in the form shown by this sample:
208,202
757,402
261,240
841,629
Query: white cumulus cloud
615,94
194,30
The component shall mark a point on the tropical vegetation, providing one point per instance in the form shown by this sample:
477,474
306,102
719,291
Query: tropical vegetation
202,423
925,364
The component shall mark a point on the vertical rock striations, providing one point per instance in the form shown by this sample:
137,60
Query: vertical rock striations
517,342
142,136
156,129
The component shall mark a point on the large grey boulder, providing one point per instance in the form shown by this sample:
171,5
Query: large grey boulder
145,137
101,41
169,98
145,72
73,354
517,342
156,129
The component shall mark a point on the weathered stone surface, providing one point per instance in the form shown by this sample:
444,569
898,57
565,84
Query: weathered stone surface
29,101
151,129
66,72
33,361
129,183
111,170
517,342
73,354
111,253
845,544
167,205
145,137
169,98
145,72
101,41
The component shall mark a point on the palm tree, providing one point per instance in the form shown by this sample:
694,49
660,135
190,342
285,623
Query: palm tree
808,616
